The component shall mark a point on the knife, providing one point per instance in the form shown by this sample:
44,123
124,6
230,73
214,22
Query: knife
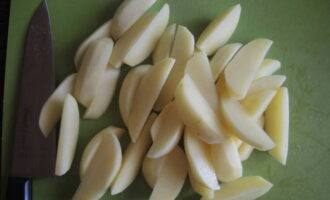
33,154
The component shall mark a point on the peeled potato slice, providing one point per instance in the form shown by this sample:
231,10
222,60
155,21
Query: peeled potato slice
196,113
93,144
268,67
146,95
164,46
93,66
138,42
200,161
277,124
222,57
102,169
242,69
101,32
218,32
128,90
52,109
226,160
171,177
127,14
169,132
247,188
182,50
133,158
103,94
68,136
256,104
151,169
244,126
199,188
245,151
266,83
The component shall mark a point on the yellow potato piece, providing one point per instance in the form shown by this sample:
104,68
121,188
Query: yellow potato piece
199,188
52,109
182,50
133,158
266,83
164,45
172,176
199,160
101,32
242,69
245,150
146,95
127,14
268,67
68,136
93,66
151,169
218,32
102,169
277,124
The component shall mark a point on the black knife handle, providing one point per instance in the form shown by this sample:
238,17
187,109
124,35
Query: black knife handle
19,188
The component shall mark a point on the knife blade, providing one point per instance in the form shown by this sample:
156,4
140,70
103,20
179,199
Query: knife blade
33,154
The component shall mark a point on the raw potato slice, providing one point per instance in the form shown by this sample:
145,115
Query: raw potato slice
277,124
171,177
226,160
128,90
199,161
133,158
196,113
244,126
218,32
164,46
93,66
198,68
169,133
52,109
256,104
138,42
127,14
151,169
102,169
242,69
268,67
68,136
93,144
146,95
182,50
103,94
236,140
245,150
222,58
101,32
200,189
266,83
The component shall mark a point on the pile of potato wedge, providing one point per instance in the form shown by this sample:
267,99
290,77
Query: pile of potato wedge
221,99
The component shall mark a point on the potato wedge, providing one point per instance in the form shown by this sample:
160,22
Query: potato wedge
102,169
68,136
101,32
199,188
199,159
146,95
128,90
127,14
268,67
273,82
218,32
169,132
52,109
277,124
242,69
172,176
182,50
245,151
93,66
222,57
197,114
151,169
103,94
164,45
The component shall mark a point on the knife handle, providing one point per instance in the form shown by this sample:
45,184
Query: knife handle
19,188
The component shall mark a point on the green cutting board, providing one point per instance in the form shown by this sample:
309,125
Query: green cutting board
300,30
